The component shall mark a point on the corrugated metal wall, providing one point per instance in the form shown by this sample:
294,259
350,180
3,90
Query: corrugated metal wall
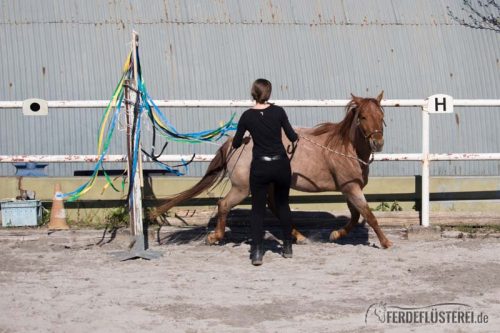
214,50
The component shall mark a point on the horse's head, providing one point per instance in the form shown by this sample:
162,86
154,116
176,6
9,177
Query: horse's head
370,120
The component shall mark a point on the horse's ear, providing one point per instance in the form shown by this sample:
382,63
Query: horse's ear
380,96
356,99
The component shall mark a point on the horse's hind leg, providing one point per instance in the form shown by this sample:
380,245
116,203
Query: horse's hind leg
233,197
337,234
355,195
300,239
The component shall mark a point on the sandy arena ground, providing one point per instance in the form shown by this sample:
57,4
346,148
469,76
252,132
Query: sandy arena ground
70,286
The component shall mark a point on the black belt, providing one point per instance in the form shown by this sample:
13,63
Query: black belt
271,158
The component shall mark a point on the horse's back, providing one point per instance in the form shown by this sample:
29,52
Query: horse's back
314,168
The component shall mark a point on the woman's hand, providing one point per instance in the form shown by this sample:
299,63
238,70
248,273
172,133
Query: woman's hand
292,147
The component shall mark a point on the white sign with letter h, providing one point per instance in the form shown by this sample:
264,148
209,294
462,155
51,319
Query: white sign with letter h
440,103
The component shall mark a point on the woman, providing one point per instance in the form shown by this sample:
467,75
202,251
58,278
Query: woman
270,164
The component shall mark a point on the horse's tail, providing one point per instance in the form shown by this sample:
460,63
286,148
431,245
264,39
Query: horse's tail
216,171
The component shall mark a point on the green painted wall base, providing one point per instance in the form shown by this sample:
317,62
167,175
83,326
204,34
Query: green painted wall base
448,194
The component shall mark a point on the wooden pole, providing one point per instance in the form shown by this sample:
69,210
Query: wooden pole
139,240
136,209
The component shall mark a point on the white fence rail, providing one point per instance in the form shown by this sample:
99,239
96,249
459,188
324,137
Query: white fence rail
425,157
248,103
209,157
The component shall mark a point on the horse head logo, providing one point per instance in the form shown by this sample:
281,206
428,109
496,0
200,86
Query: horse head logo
378,310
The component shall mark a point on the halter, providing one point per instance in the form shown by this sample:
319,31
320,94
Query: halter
369,135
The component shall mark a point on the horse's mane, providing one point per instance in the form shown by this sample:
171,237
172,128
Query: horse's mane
339,133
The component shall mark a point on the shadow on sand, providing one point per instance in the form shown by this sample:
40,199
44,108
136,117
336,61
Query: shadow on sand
316,226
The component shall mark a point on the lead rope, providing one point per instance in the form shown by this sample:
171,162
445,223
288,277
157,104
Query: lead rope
339,153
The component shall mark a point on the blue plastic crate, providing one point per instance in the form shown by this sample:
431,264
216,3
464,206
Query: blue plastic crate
21,213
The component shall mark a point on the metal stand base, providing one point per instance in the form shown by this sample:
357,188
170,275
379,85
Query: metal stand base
138,251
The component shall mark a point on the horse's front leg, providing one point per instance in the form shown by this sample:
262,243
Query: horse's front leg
355,195
337,234
224,206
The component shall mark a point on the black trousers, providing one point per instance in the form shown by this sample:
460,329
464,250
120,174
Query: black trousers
262,174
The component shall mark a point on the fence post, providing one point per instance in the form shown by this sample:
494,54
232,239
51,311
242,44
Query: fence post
424,210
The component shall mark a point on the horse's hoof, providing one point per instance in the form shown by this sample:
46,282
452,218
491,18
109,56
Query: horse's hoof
335,235
387,244
212,239
301,240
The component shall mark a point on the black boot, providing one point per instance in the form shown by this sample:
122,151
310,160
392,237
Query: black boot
287,249
257,252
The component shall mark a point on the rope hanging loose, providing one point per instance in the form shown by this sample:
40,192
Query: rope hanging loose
337,152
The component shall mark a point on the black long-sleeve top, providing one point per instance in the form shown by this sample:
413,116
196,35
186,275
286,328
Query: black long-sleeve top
265,127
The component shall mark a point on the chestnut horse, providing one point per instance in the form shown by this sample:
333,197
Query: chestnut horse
328,157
